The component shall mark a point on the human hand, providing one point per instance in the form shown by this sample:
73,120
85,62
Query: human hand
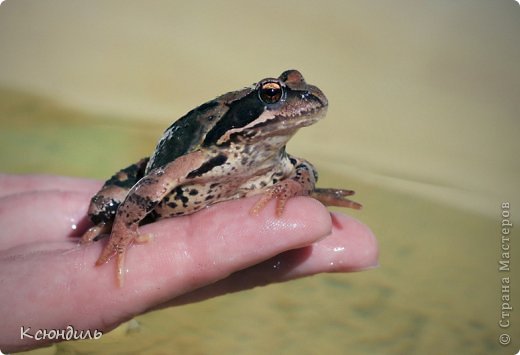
49,281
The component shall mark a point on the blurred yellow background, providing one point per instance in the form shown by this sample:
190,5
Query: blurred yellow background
423,123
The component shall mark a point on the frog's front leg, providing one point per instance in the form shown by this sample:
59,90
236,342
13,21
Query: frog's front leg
302,183
141,200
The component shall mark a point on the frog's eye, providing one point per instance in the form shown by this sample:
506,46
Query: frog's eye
270,92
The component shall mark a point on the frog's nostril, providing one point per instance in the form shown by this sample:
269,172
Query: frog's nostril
319,96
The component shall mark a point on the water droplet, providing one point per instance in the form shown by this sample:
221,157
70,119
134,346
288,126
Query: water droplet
73,224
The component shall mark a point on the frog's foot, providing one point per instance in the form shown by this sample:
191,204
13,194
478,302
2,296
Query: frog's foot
281,191
120,240
335,197
94,233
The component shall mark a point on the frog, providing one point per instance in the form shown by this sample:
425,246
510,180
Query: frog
231,147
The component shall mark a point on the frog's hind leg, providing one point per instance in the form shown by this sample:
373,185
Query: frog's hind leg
104,204
335,197
144,197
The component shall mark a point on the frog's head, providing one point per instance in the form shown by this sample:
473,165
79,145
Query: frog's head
273,107
291,100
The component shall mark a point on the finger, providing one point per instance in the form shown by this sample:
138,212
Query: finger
15,184
220,240
187,253
350,247
42,216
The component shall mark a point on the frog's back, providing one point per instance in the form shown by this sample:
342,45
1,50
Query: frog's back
187,133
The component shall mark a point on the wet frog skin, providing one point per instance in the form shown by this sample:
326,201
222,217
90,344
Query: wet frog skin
227,148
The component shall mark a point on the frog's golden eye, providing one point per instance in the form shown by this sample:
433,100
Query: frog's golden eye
270,92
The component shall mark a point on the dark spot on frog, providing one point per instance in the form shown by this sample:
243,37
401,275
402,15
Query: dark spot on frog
209,197
144,203
172,204
150,217
240,113
193,192
179,195
207,166
131,175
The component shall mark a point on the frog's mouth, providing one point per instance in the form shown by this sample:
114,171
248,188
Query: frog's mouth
279,125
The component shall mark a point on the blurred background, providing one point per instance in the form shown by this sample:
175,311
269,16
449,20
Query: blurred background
423,123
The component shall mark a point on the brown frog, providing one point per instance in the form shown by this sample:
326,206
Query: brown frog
227,148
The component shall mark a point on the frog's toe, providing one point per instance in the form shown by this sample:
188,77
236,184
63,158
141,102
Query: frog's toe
115,249
121,254
108,252
121,268
94,233
117,245
335,197
121,238
281,191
